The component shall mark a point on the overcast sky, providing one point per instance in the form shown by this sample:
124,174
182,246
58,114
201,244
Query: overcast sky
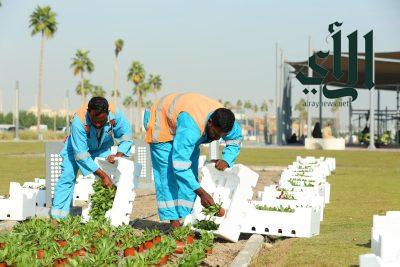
224,49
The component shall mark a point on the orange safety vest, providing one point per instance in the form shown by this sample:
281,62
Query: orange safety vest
164,113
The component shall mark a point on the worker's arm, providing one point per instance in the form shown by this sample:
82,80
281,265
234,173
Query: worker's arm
233,141
185,141
79,142
123,134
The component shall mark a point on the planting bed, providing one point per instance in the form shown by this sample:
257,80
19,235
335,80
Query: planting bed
43,242
145,216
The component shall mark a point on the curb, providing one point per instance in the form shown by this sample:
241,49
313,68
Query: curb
251,248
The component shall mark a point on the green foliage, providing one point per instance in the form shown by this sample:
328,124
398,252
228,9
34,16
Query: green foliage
43,21
208,225
101,200
279,209
212,210
28,119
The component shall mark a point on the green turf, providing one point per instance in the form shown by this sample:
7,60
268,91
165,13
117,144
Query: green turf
20,162
365,183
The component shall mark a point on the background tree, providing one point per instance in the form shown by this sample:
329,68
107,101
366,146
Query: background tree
84,88
137,74
128,104
239,105
301,108
335,109
98,91
113,92
43,21
247,106
119,44
155,83
227,105
81,63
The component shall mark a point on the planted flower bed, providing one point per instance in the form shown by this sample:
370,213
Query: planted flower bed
40,242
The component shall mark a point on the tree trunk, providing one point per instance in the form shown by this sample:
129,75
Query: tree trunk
83,91
39,97
139,109
115,81
337,123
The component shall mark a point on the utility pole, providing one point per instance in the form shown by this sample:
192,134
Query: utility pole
16,111
308,95
372,108
276,94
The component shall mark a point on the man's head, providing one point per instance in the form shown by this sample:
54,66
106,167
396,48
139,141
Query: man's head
220,123
98,111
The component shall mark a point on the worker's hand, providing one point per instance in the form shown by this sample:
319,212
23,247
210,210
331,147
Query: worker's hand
107,182
111,158
206,199
221,164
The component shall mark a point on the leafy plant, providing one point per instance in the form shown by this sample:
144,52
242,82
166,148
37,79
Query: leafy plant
181,233
208,225
212,210
279,209
101,200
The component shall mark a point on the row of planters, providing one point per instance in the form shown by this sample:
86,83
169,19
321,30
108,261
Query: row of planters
40,242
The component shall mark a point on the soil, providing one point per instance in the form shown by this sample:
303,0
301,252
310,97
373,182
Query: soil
145,215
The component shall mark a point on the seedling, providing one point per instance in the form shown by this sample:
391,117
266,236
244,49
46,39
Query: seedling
279,209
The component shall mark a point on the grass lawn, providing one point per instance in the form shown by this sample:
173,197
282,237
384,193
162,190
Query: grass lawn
20,162
365,183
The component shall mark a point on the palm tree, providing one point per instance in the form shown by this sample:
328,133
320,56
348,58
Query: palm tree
227,105
84,88
128,103
155,83
113,94
80,64
119,44
137,74
98,91
247,106
301,108
43,21
335,110
264,108
239,105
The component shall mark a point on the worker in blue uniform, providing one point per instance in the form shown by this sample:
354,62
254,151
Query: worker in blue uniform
176,125
92,133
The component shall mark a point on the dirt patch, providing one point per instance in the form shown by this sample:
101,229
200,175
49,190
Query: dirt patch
145,216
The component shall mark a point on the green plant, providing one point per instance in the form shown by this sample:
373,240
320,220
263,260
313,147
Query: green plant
101,200
208,225
212,210
286,195
279,209
181,233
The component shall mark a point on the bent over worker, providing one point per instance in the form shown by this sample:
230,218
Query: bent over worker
93,130
175,127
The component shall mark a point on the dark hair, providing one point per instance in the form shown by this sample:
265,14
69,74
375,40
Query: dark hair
224,119
98,104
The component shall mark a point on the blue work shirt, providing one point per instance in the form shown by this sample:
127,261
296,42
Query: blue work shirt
188,138
86,146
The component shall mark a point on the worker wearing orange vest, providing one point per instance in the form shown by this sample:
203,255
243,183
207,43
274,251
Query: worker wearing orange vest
93,130
175,127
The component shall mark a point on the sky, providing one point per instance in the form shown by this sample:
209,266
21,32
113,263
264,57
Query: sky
224,49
